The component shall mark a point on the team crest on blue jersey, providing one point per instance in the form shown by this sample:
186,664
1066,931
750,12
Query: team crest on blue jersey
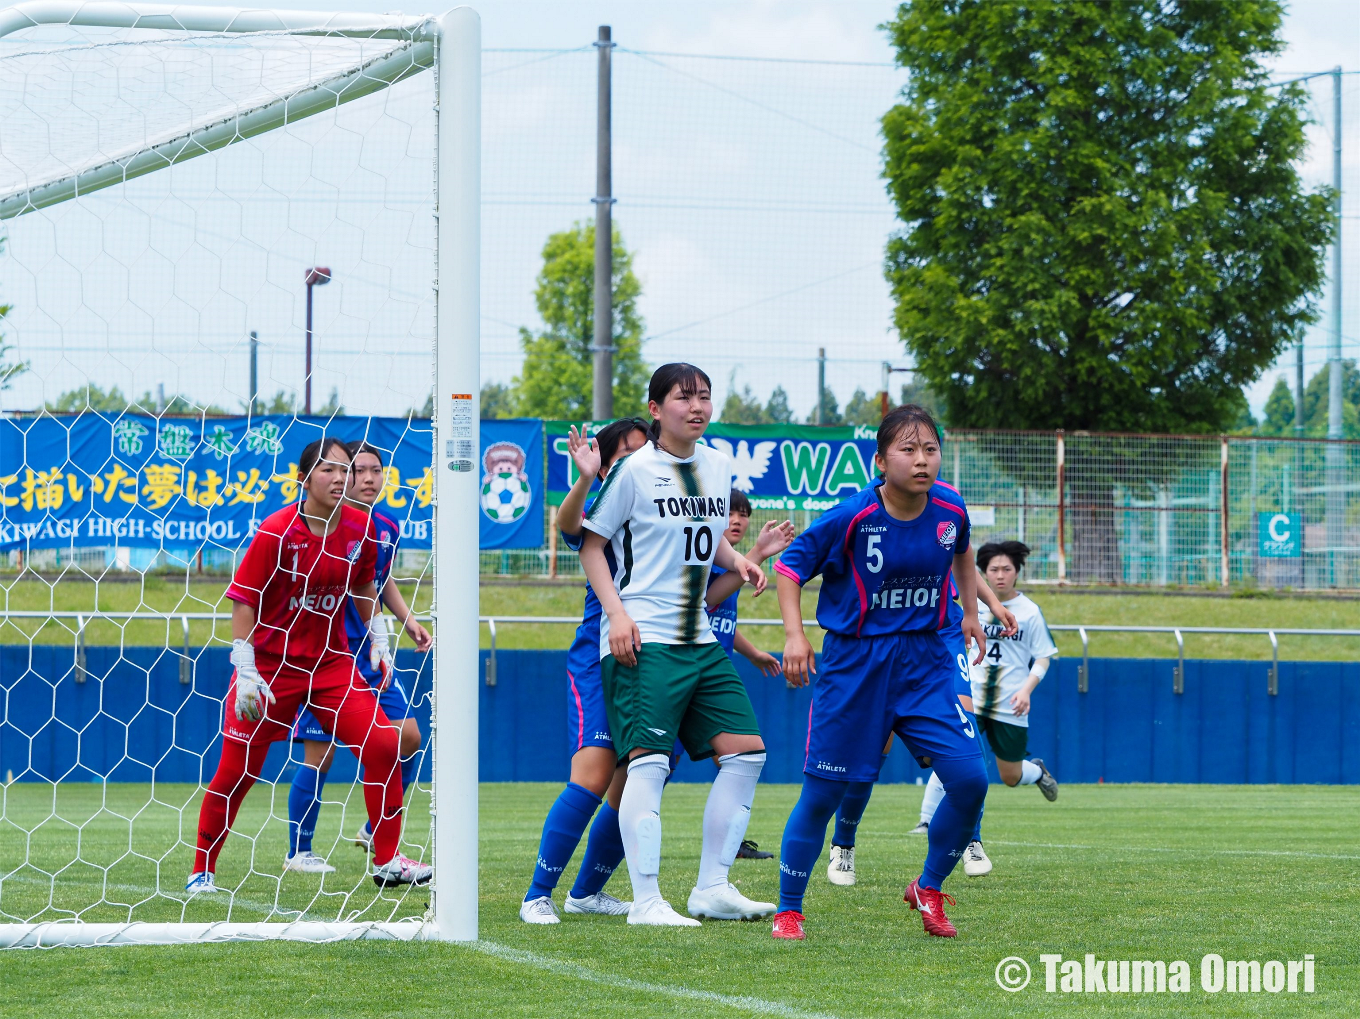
506,493
946,533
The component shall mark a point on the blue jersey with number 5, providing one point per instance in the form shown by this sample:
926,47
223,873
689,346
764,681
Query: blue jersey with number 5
881,575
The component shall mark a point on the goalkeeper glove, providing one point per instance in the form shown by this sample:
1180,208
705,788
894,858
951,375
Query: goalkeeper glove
380,650
252,692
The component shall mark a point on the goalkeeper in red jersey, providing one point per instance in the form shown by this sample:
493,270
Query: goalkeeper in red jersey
289,649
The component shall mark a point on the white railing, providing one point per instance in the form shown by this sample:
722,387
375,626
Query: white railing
1082,630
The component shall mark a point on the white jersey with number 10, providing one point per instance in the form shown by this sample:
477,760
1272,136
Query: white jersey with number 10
664,518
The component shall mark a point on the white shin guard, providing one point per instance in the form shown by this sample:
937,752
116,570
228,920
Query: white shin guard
640,823
727,814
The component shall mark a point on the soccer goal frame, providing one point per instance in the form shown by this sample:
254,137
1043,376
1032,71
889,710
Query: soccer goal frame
449,47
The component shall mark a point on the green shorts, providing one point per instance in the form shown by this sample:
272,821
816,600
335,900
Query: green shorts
685,691
1008,741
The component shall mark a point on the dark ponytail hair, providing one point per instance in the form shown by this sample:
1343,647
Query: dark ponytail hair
608,438
360,446
315,451
666,378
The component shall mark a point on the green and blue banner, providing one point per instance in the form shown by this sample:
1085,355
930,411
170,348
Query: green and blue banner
779,467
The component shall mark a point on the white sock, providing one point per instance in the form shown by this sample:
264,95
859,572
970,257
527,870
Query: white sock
930,802
1029,773
726,815
641,806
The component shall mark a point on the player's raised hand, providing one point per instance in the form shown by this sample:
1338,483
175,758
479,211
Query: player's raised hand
1009,627
252,693
380,650
973,634
799,662
624,639
751,574
585,452
774,537
767,663
419,634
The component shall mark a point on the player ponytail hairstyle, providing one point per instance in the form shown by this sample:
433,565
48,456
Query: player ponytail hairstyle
314,451
608,438
666,378
908,417
1016,551
360,446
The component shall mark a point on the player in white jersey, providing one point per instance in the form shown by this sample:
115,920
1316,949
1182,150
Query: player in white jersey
1002,683
662,511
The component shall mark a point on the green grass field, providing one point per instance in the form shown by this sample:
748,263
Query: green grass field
1124,872
164,594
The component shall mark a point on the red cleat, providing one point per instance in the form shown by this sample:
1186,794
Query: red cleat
788,925
930,902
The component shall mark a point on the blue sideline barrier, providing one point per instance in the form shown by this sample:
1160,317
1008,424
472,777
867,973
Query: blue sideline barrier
132,718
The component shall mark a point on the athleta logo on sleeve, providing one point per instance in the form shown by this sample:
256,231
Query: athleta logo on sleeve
946,533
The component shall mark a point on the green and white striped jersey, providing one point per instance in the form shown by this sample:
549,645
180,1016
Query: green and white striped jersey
1005,667
664,518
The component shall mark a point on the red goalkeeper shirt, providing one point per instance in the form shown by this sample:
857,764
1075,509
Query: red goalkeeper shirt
298,583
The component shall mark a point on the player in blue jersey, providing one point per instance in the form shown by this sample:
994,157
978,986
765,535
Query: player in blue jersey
596,781
886,558
367,481
721,602
840,869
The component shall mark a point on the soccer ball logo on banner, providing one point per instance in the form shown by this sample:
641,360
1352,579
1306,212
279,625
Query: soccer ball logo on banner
506,493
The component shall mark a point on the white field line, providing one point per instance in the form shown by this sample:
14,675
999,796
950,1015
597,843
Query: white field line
147,892
1150,849
740,1002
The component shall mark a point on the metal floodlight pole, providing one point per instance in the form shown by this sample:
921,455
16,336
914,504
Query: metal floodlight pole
1336,505
603,348
885,398
317,276
821,386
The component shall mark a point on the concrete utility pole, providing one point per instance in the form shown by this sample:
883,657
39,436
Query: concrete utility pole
821,385
254,371
603,388
316,276
1336,463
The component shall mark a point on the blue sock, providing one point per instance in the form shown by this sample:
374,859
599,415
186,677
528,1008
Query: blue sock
562,830
849,813
410,768
804,835
965,788
604,852
304,806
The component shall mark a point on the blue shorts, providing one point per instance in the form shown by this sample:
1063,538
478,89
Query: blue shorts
953,641
587,720
393,701
867,688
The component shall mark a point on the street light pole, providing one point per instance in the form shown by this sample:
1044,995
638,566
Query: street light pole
317,276
602,395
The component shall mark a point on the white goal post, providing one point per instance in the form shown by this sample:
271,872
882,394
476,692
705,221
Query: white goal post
449,47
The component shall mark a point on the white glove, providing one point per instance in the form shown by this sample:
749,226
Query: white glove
252,692
379,649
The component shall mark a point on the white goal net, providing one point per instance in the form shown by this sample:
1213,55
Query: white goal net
225,235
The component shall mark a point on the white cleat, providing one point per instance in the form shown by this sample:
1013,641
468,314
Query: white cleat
307,863
601,904
724,902
921,829
841,869
658,913
363,838
975,861
539,910
401,870
201,884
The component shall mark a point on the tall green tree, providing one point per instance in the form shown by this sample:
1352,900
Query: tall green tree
864,409
8,369
778,411
831,414
497,401
742,407
556,378
1103,223
1316,402
1279,418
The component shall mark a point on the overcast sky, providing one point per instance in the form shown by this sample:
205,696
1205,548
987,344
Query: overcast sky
749,191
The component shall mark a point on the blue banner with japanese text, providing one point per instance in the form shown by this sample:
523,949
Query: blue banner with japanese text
138,481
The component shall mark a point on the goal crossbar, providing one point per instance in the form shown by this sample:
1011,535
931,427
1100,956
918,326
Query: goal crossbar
413,53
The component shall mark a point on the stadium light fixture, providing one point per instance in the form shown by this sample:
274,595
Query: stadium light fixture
317,276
